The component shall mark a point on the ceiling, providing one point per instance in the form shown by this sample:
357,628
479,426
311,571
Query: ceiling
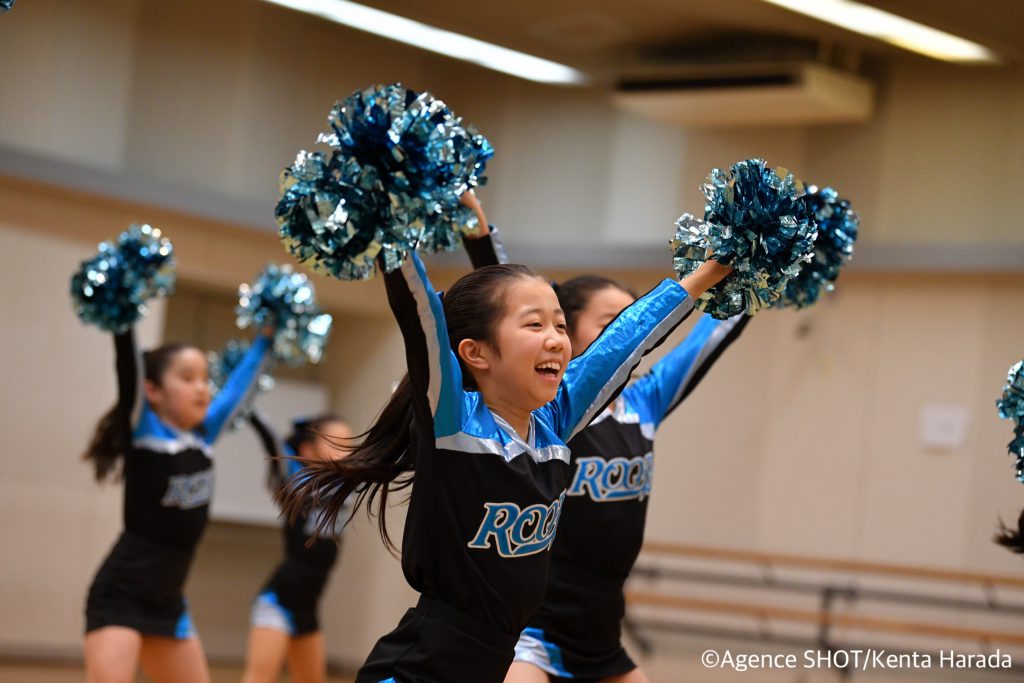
617,36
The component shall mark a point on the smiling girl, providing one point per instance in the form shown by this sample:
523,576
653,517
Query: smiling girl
160,432
482,420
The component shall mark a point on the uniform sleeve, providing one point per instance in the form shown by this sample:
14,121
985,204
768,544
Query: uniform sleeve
672,378
487,250
130,376
593,379
271,442
434,370
273,447
240,384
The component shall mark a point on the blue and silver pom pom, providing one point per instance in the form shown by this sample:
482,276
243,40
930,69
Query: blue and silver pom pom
6,5
448,224
111,289
334,226
1011,407
1011,404
400,160
837,232
222,363
757,221
1016,450
285,301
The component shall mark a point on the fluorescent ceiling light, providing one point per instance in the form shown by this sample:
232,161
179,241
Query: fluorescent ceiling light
437,40
891,28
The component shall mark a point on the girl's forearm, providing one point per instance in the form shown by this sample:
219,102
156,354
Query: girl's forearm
707,275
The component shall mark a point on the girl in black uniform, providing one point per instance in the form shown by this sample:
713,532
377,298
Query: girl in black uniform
284,622
163,427
483,418
575,635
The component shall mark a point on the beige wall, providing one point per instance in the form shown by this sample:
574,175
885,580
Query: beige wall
809,439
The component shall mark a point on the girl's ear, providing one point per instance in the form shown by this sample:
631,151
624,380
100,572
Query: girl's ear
152,392
475,354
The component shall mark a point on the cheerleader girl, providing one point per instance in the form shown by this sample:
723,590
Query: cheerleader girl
160,434
284,623
576,632
482,419
577,628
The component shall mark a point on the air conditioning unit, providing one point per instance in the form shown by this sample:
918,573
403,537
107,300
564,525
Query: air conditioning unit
744,96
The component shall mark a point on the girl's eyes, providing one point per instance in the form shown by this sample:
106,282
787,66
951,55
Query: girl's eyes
539,326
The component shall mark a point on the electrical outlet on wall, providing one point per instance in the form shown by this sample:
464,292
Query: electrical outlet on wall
943,427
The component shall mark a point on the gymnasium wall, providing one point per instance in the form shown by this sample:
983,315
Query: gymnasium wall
144,100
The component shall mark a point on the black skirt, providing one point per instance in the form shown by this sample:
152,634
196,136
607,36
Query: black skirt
436,643
577,633
295,587
139,586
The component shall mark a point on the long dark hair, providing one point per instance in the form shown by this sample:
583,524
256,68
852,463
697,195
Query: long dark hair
384,460
1011,538
574,295
111,440
304,430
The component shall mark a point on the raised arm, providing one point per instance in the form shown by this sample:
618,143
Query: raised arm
486,249
593,379
483,245
240,384
271,442
672,378
433,368
278,471
130,376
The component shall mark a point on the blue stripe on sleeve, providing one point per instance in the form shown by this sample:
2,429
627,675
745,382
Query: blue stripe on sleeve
445,390
240,383
593,378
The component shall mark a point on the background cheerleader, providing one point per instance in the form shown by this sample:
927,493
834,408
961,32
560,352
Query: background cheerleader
576,633
160,432
285,624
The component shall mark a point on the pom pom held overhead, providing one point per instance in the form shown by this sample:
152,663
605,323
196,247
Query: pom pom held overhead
1011,407
399,161
111,289
757,221
285,301
1011,403
833,248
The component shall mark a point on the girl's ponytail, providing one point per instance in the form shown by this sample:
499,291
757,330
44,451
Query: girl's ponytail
1011,538
382,462
106,448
